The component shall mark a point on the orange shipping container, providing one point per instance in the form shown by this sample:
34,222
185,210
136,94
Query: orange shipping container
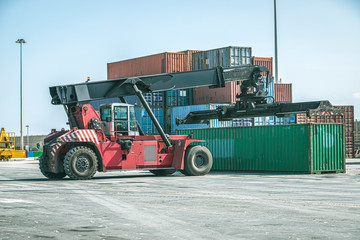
264,61
206,95
153,64
283,92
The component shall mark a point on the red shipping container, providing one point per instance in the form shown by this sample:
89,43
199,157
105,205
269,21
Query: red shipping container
153,64
264,61
189,54
206,95
283,92
347,118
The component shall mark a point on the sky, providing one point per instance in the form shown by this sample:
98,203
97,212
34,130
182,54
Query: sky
68,40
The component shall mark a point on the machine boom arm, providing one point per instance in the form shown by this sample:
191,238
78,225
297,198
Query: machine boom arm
216,77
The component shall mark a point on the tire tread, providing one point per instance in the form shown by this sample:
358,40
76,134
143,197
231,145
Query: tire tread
67,163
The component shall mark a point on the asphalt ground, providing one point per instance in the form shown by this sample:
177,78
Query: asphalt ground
139,205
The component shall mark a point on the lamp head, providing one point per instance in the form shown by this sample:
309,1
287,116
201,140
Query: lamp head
20,40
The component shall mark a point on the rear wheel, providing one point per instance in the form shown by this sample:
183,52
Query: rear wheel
80,163
163,172
44,168
198,161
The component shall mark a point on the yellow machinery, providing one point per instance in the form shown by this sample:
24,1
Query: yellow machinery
7,146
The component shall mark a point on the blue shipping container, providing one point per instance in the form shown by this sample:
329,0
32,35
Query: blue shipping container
269,88
285,120
265,121
145,122
182,111
153,99
243,122
180,97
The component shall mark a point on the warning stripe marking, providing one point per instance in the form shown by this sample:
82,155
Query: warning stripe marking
79,136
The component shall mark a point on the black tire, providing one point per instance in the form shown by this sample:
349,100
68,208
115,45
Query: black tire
80,163
163,172
44,168
198,161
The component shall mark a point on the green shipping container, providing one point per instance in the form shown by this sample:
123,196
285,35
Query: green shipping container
298,148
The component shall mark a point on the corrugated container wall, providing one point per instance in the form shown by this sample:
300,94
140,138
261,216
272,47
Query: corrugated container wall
264,61
346,118
153,64
224,57
183,111
305,148
145,122
283,92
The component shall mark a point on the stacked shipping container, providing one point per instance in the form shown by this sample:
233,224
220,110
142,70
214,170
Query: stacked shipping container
223,57
283,92
145,122
153,64
347,118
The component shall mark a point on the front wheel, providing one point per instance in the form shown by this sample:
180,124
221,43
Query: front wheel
198,161
80,163
44,168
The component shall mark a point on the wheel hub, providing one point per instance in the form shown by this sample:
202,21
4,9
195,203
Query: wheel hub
82,164
199,161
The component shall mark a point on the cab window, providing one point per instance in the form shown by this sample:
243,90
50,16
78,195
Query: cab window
105,113
120,113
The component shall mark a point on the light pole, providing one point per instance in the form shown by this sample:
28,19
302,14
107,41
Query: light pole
276,51
21,41
28,139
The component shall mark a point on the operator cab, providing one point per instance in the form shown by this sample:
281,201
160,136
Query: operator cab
118,119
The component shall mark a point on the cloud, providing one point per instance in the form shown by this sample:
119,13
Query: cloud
356,95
